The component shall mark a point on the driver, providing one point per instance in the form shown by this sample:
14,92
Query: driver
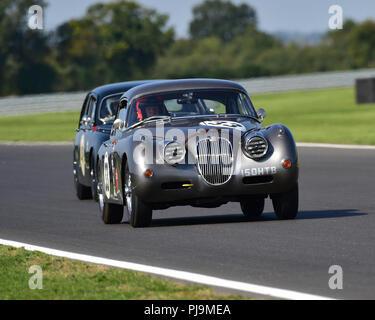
152,111
147,109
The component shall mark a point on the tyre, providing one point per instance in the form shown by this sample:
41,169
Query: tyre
111,213
252,208
286,204
82,192
139,213
94,184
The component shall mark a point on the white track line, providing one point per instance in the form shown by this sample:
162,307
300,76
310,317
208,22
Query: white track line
335,146
176,274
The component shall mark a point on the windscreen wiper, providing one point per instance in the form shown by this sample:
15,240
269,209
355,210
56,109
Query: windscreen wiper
148,120
240,115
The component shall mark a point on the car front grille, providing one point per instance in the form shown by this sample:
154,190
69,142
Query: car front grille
215,160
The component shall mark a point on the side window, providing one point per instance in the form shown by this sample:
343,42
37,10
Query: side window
84,108
91,108
132,115
108,109
122,110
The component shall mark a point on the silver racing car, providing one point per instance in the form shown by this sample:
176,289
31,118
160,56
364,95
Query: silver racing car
197,142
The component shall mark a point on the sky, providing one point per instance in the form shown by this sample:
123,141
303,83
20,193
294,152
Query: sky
305,16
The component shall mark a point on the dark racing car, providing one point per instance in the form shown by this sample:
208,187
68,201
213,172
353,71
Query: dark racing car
95,122
195,142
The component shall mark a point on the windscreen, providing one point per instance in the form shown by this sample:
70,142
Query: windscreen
108,109
192,103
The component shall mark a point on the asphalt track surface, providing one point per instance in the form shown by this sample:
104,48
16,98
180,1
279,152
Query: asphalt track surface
335,225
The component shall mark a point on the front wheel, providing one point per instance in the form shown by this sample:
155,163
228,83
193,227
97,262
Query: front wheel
252,208
111,213
139,213
286,204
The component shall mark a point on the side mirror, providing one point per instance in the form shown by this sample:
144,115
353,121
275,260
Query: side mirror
261,114
86,120
117,125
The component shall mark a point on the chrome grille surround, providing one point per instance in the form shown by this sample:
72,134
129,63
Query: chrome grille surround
215,160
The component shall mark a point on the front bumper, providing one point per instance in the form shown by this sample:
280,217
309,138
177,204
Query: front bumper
182,183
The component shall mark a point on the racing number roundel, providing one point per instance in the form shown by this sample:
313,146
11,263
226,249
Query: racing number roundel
224,124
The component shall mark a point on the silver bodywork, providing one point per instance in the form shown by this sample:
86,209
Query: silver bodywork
237,176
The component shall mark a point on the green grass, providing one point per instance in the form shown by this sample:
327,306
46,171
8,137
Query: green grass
67,279
330,116
39,127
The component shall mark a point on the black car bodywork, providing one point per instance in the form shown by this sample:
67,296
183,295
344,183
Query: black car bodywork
94,128
250,164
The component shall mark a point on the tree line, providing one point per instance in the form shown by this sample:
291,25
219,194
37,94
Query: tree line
122,40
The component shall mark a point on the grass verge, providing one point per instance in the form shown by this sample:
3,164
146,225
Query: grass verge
68,279
39,127
327,116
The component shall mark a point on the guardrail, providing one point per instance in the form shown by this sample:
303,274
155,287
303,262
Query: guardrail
319,80
58,102
41,103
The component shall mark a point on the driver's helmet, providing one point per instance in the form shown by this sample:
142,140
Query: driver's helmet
149,107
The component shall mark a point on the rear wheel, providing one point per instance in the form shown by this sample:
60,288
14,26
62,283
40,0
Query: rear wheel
139,213
286,204
82,192
252,208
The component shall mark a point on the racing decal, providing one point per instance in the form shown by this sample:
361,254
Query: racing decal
224,124
82,162
253,172
106,176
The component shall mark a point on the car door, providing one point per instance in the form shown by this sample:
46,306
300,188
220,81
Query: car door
82,140
89,138
78,139
112,164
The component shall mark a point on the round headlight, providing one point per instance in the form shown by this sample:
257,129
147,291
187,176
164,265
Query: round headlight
256,147
174,152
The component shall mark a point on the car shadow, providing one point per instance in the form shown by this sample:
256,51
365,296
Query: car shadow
240,218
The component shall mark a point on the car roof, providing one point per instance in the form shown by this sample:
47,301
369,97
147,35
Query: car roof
161,86
119,87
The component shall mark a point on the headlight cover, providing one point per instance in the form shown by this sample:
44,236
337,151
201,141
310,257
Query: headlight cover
255,146
174,152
